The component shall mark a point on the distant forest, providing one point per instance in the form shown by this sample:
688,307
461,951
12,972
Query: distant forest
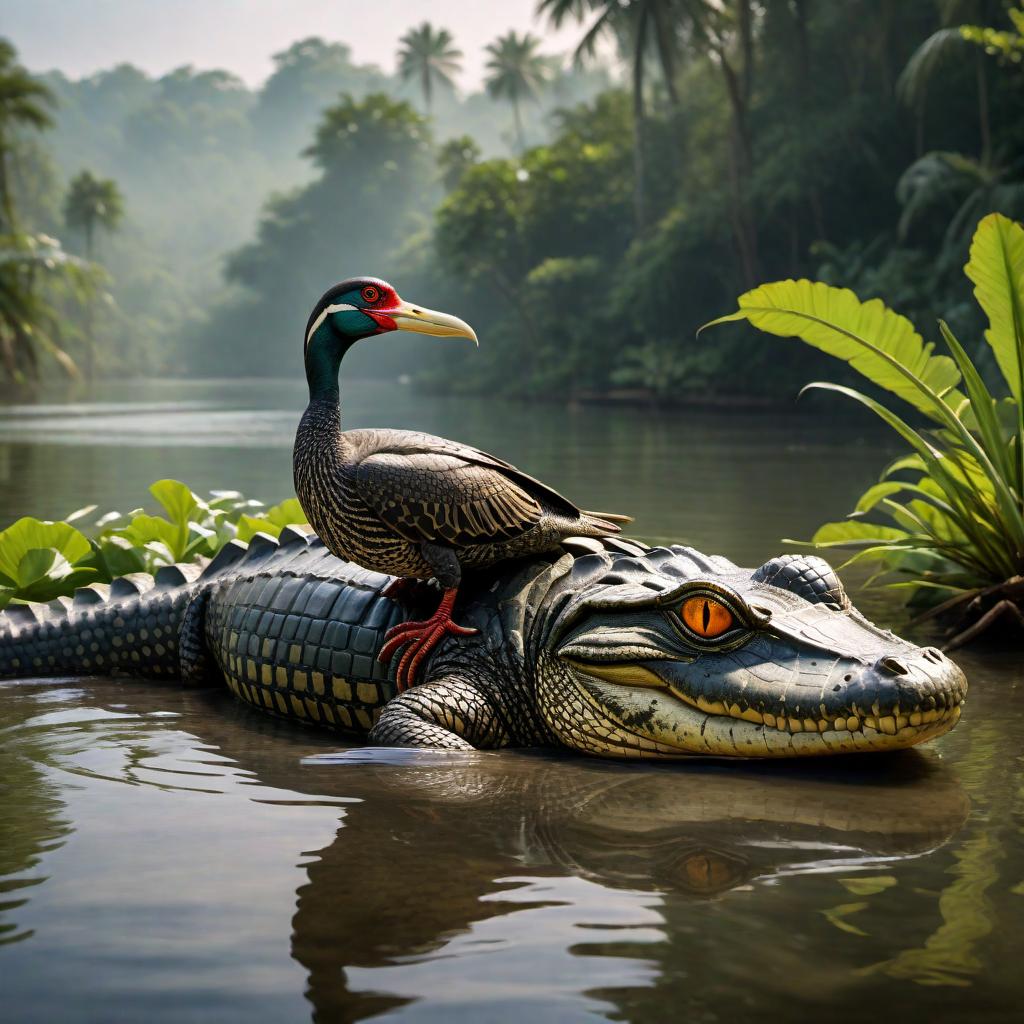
585,219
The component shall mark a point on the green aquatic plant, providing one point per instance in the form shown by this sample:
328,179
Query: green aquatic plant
41,561
945,521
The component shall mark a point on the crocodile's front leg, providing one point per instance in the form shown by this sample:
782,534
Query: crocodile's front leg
450,713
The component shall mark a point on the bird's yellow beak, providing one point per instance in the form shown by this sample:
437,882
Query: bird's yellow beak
409,317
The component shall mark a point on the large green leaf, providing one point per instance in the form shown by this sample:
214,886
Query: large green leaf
878,343
145,529
939,462
29,534
178,501
37,563
983,406
855,533
996,267
116,556
273,521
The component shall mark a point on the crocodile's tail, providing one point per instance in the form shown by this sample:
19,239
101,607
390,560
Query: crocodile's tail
130,626
139,625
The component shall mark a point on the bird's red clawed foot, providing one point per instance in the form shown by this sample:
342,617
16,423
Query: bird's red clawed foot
420,638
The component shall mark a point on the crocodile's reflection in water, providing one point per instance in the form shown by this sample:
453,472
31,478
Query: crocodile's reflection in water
435,841
428,846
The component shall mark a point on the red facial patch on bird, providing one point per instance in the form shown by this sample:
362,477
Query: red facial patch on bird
381,300
383,321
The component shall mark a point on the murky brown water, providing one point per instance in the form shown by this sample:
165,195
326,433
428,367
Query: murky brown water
170,856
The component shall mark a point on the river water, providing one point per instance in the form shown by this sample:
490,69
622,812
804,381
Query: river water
172,856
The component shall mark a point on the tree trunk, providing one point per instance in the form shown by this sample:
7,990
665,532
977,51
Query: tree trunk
984,122
803,48
639,125
519,125
6,205
90,341
740,160
666,53
744,17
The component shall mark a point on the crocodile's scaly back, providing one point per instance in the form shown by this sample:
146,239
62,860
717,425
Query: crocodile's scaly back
299,635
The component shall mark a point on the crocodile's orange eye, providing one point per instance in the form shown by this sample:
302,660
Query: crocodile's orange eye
706,616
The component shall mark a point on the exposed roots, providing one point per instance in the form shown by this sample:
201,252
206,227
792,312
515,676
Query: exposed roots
975,612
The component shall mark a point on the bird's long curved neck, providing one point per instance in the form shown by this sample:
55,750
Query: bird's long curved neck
319,436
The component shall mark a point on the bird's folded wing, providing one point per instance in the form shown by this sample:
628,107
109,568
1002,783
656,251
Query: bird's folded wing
443,499
548,496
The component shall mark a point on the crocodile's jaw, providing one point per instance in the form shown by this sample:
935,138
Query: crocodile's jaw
616,719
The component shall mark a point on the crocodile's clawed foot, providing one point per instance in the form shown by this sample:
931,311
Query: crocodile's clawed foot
419,639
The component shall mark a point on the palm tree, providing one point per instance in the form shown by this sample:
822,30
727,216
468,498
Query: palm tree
517,72
636,23
429,54
23,103
37,281
947,43
92,203
963,189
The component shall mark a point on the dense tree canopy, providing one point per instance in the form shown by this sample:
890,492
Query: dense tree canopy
736,142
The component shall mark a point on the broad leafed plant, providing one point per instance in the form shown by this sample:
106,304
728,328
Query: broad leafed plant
41,561
945,521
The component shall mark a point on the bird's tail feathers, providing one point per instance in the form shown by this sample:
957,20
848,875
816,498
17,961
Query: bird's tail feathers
610,517
607,522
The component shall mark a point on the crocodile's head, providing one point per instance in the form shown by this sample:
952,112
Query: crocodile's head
666,652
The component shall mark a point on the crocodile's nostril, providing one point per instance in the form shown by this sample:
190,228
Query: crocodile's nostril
934,655
892,666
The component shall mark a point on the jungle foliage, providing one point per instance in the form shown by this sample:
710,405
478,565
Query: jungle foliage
41,561
774,143
946,520
584,218
39,281
196,155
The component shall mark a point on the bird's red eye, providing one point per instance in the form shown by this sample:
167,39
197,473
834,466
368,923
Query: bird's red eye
371,293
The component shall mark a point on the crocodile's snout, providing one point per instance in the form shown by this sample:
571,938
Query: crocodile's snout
911,689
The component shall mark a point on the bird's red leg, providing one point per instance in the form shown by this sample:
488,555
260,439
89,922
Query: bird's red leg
420,638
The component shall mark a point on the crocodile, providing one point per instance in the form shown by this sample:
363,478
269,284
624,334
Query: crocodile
592,647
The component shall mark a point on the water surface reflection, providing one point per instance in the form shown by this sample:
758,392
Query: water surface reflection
169,856
479,887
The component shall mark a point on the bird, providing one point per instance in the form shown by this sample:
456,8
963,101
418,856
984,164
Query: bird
406,503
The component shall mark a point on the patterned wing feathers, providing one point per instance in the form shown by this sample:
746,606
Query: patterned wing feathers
441,498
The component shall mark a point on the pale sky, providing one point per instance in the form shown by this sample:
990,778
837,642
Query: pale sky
82,36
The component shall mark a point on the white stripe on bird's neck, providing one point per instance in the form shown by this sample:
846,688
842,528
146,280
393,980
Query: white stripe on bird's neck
324,314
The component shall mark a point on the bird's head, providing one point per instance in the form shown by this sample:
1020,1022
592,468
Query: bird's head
364,306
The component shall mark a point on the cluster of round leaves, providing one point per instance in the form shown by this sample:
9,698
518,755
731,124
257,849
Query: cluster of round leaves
42,560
